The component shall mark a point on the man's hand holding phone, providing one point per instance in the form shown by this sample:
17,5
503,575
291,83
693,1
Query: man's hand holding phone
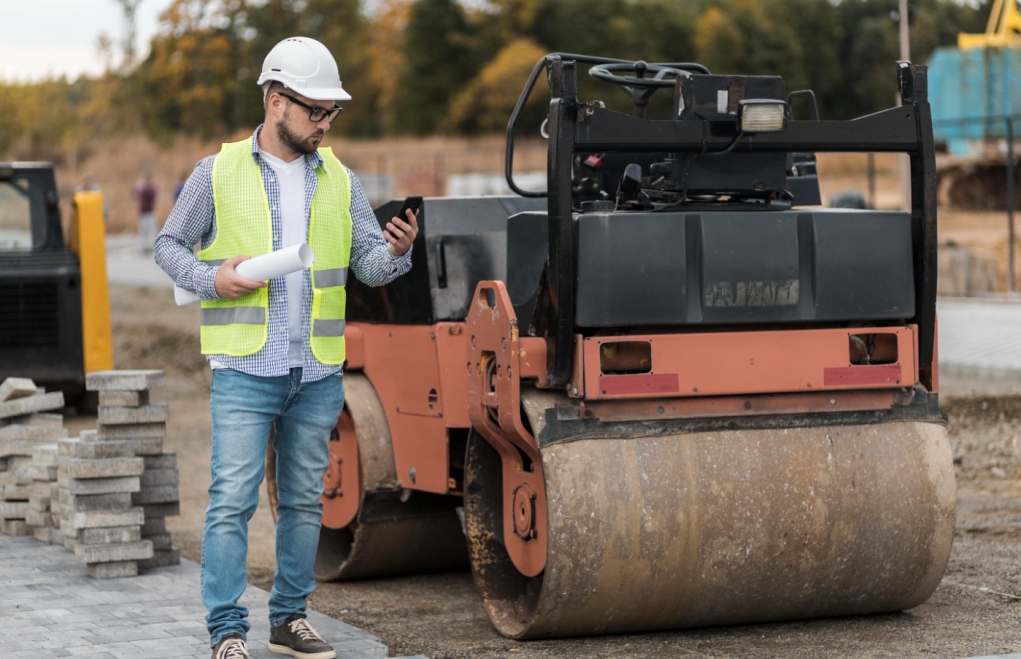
400,232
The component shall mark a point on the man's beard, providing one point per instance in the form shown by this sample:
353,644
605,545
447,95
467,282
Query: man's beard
295,143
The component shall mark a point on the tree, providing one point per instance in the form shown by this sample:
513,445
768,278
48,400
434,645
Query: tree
439,59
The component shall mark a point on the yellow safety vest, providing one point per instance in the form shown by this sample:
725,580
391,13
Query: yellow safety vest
244,225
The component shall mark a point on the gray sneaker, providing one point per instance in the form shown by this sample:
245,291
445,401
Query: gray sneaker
297,638
231,646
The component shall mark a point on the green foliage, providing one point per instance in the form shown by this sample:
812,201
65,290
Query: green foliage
439,59
422,66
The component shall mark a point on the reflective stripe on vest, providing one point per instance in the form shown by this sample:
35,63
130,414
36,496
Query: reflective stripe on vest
329,327
332,277
230,315
244,226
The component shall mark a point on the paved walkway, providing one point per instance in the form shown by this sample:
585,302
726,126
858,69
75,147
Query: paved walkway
50,608
980,338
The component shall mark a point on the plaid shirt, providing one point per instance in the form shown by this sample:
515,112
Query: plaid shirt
194,218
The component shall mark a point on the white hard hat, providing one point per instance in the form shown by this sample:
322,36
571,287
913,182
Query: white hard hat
307,67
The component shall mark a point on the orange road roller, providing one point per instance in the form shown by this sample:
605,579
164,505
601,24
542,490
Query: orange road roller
671,390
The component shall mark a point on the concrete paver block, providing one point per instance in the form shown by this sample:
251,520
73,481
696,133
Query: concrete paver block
75,448
40,489
13,509
41,472
102,468
39,420
155,477
163,509
165,460
21,406
88,502
131,431
15,448
45,454
98,485
154,526
152,413
123,398
18,476
130,551
17,492
39,504
109,535
162,558
36,518
43,534
157,494
125,380
115,570
92,519
114,448
32,433
160,542
13,527
12,388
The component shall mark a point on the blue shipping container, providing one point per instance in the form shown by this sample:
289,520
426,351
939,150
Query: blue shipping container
977,85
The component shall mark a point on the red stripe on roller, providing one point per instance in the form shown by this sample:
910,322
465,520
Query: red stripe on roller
616,385
886,374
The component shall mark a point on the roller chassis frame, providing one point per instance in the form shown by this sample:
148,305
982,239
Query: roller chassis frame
516,374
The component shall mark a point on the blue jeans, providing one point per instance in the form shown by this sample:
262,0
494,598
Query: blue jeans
244,407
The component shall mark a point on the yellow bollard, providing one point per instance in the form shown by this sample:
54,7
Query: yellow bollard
88,238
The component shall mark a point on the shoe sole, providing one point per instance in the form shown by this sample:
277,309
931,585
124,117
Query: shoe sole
283,649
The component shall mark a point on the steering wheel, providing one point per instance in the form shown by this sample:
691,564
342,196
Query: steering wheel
638,86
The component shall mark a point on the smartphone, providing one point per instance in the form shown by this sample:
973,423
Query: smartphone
412,203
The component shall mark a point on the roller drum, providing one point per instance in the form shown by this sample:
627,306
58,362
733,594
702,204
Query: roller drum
724,527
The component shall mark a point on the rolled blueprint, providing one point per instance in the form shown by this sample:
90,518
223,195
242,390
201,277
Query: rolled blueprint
262,268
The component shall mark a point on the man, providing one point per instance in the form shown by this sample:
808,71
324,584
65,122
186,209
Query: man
276,351
144,194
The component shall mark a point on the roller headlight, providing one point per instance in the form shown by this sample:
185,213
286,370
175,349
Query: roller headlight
761,115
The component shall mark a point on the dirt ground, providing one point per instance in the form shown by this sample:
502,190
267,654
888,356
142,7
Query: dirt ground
975,611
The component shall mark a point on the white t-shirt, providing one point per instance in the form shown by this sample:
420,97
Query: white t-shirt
291,176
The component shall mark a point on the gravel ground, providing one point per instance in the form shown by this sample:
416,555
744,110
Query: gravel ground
975,610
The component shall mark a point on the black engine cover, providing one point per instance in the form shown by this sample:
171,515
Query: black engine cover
725,267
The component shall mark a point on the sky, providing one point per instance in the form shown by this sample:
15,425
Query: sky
51,38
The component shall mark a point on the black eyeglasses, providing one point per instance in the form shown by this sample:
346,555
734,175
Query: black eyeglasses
315,115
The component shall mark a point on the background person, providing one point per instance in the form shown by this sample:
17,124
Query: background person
276,358
144,194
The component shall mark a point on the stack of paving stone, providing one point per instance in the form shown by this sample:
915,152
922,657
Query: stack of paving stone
96,516
43,470
127,416
24,427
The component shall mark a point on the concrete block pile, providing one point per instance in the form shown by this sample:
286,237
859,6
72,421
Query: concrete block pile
97,518
128,418
28,432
